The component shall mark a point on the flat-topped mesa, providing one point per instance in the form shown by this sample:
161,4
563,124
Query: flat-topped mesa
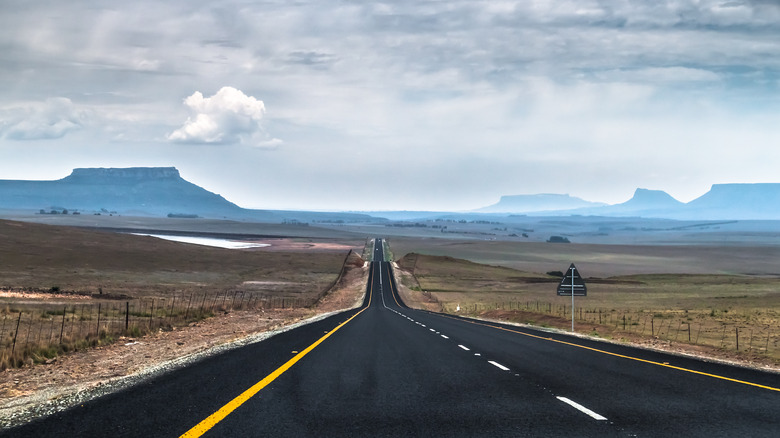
652,199
121,175
537,203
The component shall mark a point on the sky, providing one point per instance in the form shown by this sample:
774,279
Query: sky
403,105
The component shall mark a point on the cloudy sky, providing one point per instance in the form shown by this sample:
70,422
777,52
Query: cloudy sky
442,105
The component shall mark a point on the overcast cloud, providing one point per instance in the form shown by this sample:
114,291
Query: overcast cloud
397,105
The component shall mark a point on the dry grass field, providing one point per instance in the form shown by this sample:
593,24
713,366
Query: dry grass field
65,288
727,298
68,259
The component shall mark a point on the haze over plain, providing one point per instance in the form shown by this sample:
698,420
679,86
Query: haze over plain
320,105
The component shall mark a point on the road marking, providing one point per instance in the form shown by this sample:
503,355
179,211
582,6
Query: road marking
687,370
210,421
477,354
445,337
431,329
389,274
582,409
464,347
498,365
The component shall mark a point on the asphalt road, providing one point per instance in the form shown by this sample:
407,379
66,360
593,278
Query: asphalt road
386,370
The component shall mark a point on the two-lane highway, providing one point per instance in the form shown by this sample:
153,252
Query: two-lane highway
386,370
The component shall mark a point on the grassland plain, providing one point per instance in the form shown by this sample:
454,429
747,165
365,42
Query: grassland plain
708,298
83,286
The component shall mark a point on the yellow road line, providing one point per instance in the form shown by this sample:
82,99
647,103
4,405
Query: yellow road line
617,355
203,427
392,289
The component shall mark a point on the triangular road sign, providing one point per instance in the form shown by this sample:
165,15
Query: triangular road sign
572,281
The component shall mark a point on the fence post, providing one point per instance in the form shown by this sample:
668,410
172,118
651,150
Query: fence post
51,331
127,315
698,332
29,326
81,319
173,303
766,349
98,321
62,329
16,333
151,315
40,330
187,313
736,329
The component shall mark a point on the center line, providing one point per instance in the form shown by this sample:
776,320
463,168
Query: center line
582,409
498,365
444,337
463,347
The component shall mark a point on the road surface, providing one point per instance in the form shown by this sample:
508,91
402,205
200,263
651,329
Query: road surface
386,370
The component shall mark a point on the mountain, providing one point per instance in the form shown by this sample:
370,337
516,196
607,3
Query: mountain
537,203
738,201
644,203
645,199
723,201
153,191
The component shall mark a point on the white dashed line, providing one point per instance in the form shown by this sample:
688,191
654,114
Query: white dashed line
464,347
582,409
432,330
477,354
445,337
498,365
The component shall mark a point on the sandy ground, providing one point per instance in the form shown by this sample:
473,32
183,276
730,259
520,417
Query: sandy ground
30,392
38,296
292,245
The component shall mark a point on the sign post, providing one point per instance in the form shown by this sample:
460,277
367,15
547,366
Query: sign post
572,284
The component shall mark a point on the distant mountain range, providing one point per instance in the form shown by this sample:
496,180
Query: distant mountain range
723,201
140,191
161,191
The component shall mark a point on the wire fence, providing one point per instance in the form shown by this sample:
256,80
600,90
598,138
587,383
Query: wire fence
36,333
750,332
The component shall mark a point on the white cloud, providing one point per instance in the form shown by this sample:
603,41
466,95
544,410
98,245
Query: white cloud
228,117
51,119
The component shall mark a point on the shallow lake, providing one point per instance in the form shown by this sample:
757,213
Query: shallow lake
207,241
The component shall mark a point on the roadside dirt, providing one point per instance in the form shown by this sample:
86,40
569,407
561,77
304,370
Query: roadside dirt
416,299
293,245
33,391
